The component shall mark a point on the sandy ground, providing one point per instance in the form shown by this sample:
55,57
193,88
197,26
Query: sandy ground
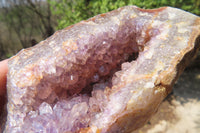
180,111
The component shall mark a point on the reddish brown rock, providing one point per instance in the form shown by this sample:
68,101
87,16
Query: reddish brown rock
106,74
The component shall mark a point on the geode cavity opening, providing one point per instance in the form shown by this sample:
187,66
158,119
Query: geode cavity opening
106,74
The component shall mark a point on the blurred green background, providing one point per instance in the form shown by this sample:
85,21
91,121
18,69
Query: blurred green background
24,23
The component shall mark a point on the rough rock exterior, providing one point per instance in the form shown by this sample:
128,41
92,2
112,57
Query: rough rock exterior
105,74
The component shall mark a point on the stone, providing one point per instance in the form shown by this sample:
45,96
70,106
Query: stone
106,74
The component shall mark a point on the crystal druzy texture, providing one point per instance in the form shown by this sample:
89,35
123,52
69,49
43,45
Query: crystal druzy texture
106,74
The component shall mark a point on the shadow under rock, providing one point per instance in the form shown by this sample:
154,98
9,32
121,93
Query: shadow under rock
188,85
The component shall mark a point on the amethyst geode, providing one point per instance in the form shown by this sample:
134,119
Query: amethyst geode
105,74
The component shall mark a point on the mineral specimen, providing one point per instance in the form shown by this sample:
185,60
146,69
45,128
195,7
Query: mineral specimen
106,74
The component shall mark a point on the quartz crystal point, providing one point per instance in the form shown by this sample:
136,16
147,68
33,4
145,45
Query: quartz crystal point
107,74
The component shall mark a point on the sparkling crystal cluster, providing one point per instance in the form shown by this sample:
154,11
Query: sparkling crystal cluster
105,74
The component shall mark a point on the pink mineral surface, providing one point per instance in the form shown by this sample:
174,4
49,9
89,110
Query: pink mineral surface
106,74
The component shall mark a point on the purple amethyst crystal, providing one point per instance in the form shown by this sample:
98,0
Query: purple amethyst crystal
106,74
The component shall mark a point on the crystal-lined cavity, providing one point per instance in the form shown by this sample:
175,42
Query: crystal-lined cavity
100,75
